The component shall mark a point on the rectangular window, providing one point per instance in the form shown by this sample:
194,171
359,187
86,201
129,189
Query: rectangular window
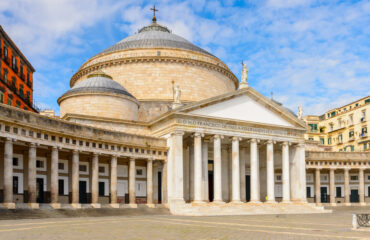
21,70
1,97
329,140
61,166
352,148
367,101
308,191
61,186
15,161
339,192
15,184
322,141
101,169
5,52
83,168
365,146
39,164
101,188
354,178
340,138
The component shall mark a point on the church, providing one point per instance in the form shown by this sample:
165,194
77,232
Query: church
156,121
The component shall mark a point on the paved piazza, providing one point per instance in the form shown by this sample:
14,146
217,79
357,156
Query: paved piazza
309,226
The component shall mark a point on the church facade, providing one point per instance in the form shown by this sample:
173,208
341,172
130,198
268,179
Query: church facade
156,120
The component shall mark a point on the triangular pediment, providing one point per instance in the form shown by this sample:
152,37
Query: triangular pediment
245,105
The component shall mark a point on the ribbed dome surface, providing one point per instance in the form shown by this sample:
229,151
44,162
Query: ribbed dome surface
96,83
153,36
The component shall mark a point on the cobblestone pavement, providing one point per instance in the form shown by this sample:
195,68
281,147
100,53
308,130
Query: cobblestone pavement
309,226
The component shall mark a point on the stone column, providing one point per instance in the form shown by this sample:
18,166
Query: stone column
242,160
346,187
132,182
95,180
332,186
191,172
186,173
254,175
32,174
75,179
317,186
225,173
270,172
205,196
198,167
54,185
361,188
149,179
286,173
155,182
113,182
298,174
302,172
164,183
217,182
8,173
176,169
235,171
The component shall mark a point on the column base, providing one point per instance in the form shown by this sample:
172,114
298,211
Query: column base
56,205
9,205
362,204
33,205
270,202
256,202
347,204
114,205
95,205
236,202
218,202
76,205
150,205
198,202
286,202
132,205
333,204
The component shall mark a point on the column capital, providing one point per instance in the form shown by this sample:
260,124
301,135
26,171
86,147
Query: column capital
132,159
54,147
151,159
198,134
286,143
346,169
236,138
217,136
9,139
75,151
254,140
95,154
33,145
178,133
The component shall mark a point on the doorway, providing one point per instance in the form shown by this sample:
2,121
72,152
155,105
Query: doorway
40,190
354,196
324,194
82,191
210,186
159,187
248,187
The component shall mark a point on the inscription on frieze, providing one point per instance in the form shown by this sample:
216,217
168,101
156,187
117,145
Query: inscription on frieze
199,123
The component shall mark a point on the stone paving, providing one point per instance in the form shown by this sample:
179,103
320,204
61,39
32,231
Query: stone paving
306,226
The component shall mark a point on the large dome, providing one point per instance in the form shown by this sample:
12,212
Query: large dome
150,63
154,36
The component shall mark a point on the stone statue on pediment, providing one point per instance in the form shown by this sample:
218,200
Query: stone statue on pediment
244,77
300,112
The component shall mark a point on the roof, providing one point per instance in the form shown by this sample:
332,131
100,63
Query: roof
16,49
153,36
98,82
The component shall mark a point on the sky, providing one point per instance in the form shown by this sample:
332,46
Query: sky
302,52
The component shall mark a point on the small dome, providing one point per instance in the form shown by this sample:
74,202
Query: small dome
153,36
98,82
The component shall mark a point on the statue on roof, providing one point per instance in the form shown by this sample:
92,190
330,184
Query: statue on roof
177,94
300,112
243,80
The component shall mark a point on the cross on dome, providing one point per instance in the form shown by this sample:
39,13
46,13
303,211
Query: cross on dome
154,10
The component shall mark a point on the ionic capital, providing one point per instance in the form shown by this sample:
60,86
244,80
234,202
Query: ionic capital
132,159
217,136
236,138
177,133
198,134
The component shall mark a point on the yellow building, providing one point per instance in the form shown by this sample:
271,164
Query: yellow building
343,128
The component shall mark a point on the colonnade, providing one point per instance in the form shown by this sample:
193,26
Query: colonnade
290,163
332,190
74,175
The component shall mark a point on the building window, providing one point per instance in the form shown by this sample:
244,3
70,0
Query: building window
351,133
354,178
308,191
322,141
101,188
329,140
15,162
61,186
340,138
1,97
83,168
61,166
5,52
365,146
352,148
40,164
101,169
367,101
313,127
339,192
15,184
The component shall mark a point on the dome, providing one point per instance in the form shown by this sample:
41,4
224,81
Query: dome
99,96
153,36
98,82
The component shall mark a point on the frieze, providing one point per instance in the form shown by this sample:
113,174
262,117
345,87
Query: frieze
199,123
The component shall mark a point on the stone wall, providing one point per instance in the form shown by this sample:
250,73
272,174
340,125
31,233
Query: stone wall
98,105
149,77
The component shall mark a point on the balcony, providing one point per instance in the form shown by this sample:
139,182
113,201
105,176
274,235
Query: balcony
351,138
334,130
363,119
363,135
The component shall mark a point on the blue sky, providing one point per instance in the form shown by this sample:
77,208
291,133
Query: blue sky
307,52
